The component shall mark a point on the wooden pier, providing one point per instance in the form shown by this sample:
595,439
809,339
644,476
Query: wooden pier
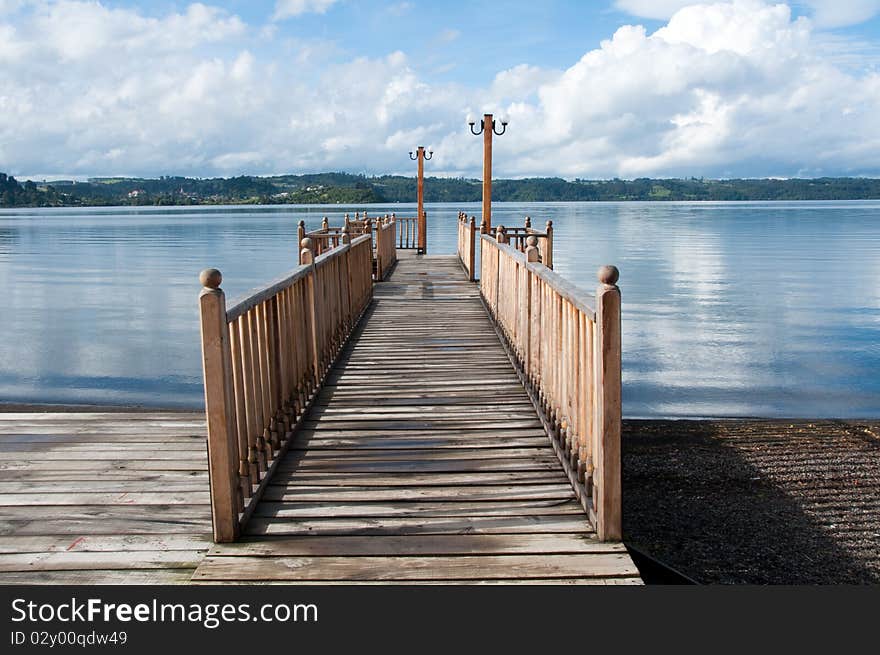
416,429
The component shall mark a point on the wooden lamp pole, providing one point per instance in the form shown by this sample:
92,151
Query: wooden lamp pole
487,129
421,156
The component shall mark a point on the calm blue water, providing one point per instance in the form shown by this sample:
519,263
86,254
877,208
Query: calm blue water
730,309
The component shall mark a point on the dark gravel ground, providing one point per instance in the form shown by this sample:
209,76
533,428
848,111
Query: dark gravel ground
756,501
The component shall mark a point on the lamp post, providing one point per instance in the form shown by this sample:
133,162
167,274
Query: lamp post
421,156
487,129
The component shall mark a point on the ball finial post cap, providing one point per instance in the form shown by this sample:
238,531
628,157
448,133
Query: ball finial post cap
532,241
211,278
608,274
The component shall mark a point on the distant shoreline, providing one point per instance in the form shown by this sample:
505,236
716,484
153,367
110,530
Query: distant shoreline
364,205
349,189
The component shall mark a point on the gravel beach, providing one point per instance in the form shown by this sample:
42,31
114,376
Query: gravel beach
756,501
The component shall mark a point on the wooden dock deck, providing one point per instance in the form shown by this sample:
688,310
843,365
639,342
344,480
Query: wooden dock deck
102,498
421,460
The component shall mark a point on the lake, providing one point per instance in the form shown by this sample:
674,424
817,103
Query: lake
729,309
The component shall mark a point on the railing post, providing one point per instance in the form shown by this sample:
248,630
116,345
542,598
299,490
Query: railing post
325,225
528,222
548,254
472,231
307,257
608,368
532,256
219,407
300,235
346,281
423,232
500,237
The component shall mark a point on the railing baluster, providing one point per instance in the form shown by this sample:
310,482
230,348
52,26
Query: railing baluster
569,356
241,428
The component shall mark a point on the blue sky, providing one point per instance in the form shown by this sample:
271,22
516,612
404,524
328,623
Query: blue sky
469,41
594,89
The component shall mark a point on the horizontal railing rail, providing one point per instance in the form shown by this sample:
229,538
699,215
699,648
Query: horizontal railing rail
566,347
264,359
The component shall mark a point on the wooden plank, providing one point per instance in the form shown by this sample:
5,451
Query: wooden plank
104,475
68,497
97,453
466,544
416,568
99,543
293,479
79,561
421,525
105,577
478,436
118,487
549,463
388,441
343,455
101,465
557,489
412,509
159,513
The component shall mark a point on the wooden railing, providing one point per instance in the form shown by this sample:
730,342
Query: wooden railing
264,359
409,236
467,234
386,246
566,346
517,237
329,237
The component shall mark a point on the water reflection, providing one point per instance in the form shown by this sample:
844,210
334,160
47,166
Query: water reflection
767,309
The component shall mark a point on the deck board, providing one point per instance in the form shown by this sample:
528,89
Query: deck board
421,461
75,509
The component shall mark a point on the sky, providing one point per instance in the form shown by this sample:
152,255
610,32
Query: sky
593,89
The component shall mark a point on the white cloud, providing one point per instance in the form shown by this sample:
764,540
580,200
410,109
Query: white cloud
292,8
725,90
654,9
825,13
839,13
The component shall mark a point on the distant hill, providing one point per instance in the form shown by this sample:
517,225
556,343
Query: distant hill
345,188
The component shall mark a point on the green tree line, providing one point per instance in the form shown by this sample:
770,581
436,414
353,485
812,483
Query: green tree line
347,188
